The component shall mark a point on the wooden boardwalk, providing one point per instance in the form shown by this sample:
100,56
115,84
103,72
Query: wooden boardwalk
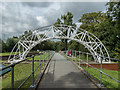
62,73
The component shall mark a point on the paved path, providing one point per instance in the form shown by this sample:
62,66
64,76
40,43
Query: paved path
63,74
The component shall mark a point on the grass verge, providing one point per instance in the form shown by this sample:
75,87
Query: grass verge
22,71
6,54
46,56
106,81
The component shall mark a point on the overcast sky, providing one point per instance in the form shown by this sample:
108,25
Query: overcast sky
20,16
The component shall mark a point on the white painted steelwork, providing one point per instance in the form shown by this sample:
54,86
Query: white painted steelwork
90,41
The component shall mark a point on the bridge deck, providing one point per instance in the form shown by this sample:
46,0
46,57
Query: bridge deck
63,74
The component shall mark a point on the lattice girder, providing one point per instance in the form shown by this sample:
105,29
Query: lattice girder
90,41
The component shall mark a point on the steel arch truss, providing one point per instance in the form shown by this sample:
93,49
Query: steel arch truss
27,42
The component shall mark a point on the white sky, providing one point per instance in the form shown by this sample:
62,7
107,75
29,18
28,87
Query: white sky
20,16
56,0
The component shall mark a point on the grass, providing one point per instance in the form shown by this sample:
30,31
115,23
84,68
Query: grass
36,57
21,72
6,54
46,56
82,57
107,81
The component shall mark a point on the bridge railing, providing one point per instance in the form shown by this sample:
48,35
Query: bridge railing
42,66
76,58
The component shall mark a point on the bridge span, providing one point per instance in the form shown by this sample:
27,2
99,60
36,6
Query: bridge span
62,73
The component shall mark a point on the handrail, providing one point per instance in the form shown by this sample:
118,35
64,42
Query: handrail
96,55
101,72
104,73
28,77
32,74
14,64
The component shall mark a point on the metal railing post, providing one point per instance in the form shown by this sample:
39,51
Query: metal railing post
87,64
32,71
75,56
12,77
79,58
40,62
101,72
72,55
43,59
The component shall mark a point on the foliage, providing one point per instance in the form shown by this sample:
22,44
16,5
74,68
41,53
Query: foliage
73,45
106,26
65,20
45,45
113,15
59,45
11,42
91,20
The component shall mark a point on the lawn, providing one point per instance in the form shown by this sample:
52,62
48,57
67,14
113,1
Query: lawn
46,56
82,57
22,71
6,54
37,57
107,81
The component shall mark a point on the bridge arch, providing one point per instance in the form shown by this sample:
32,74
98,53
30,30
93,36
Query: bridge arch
27,42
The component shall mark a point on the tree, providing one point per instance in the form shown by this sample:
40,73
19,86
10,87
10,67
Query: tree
65,20
59,45
106,26
90,21
101,26
113,15
10,43
73,45
45,45
2,46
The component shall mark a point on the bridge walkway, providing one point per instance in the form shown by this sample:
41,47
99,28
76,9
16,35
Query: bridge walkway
62,73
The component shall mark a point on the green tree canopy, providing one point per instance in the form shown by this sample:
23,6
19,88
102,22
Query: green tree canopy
65,20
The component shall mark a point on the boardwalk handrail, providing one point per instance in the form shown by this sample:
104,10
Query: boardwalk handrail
101,72
32,74
113,59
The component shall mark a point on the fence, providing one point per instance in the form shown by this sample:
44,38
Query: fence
78,62
41,66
